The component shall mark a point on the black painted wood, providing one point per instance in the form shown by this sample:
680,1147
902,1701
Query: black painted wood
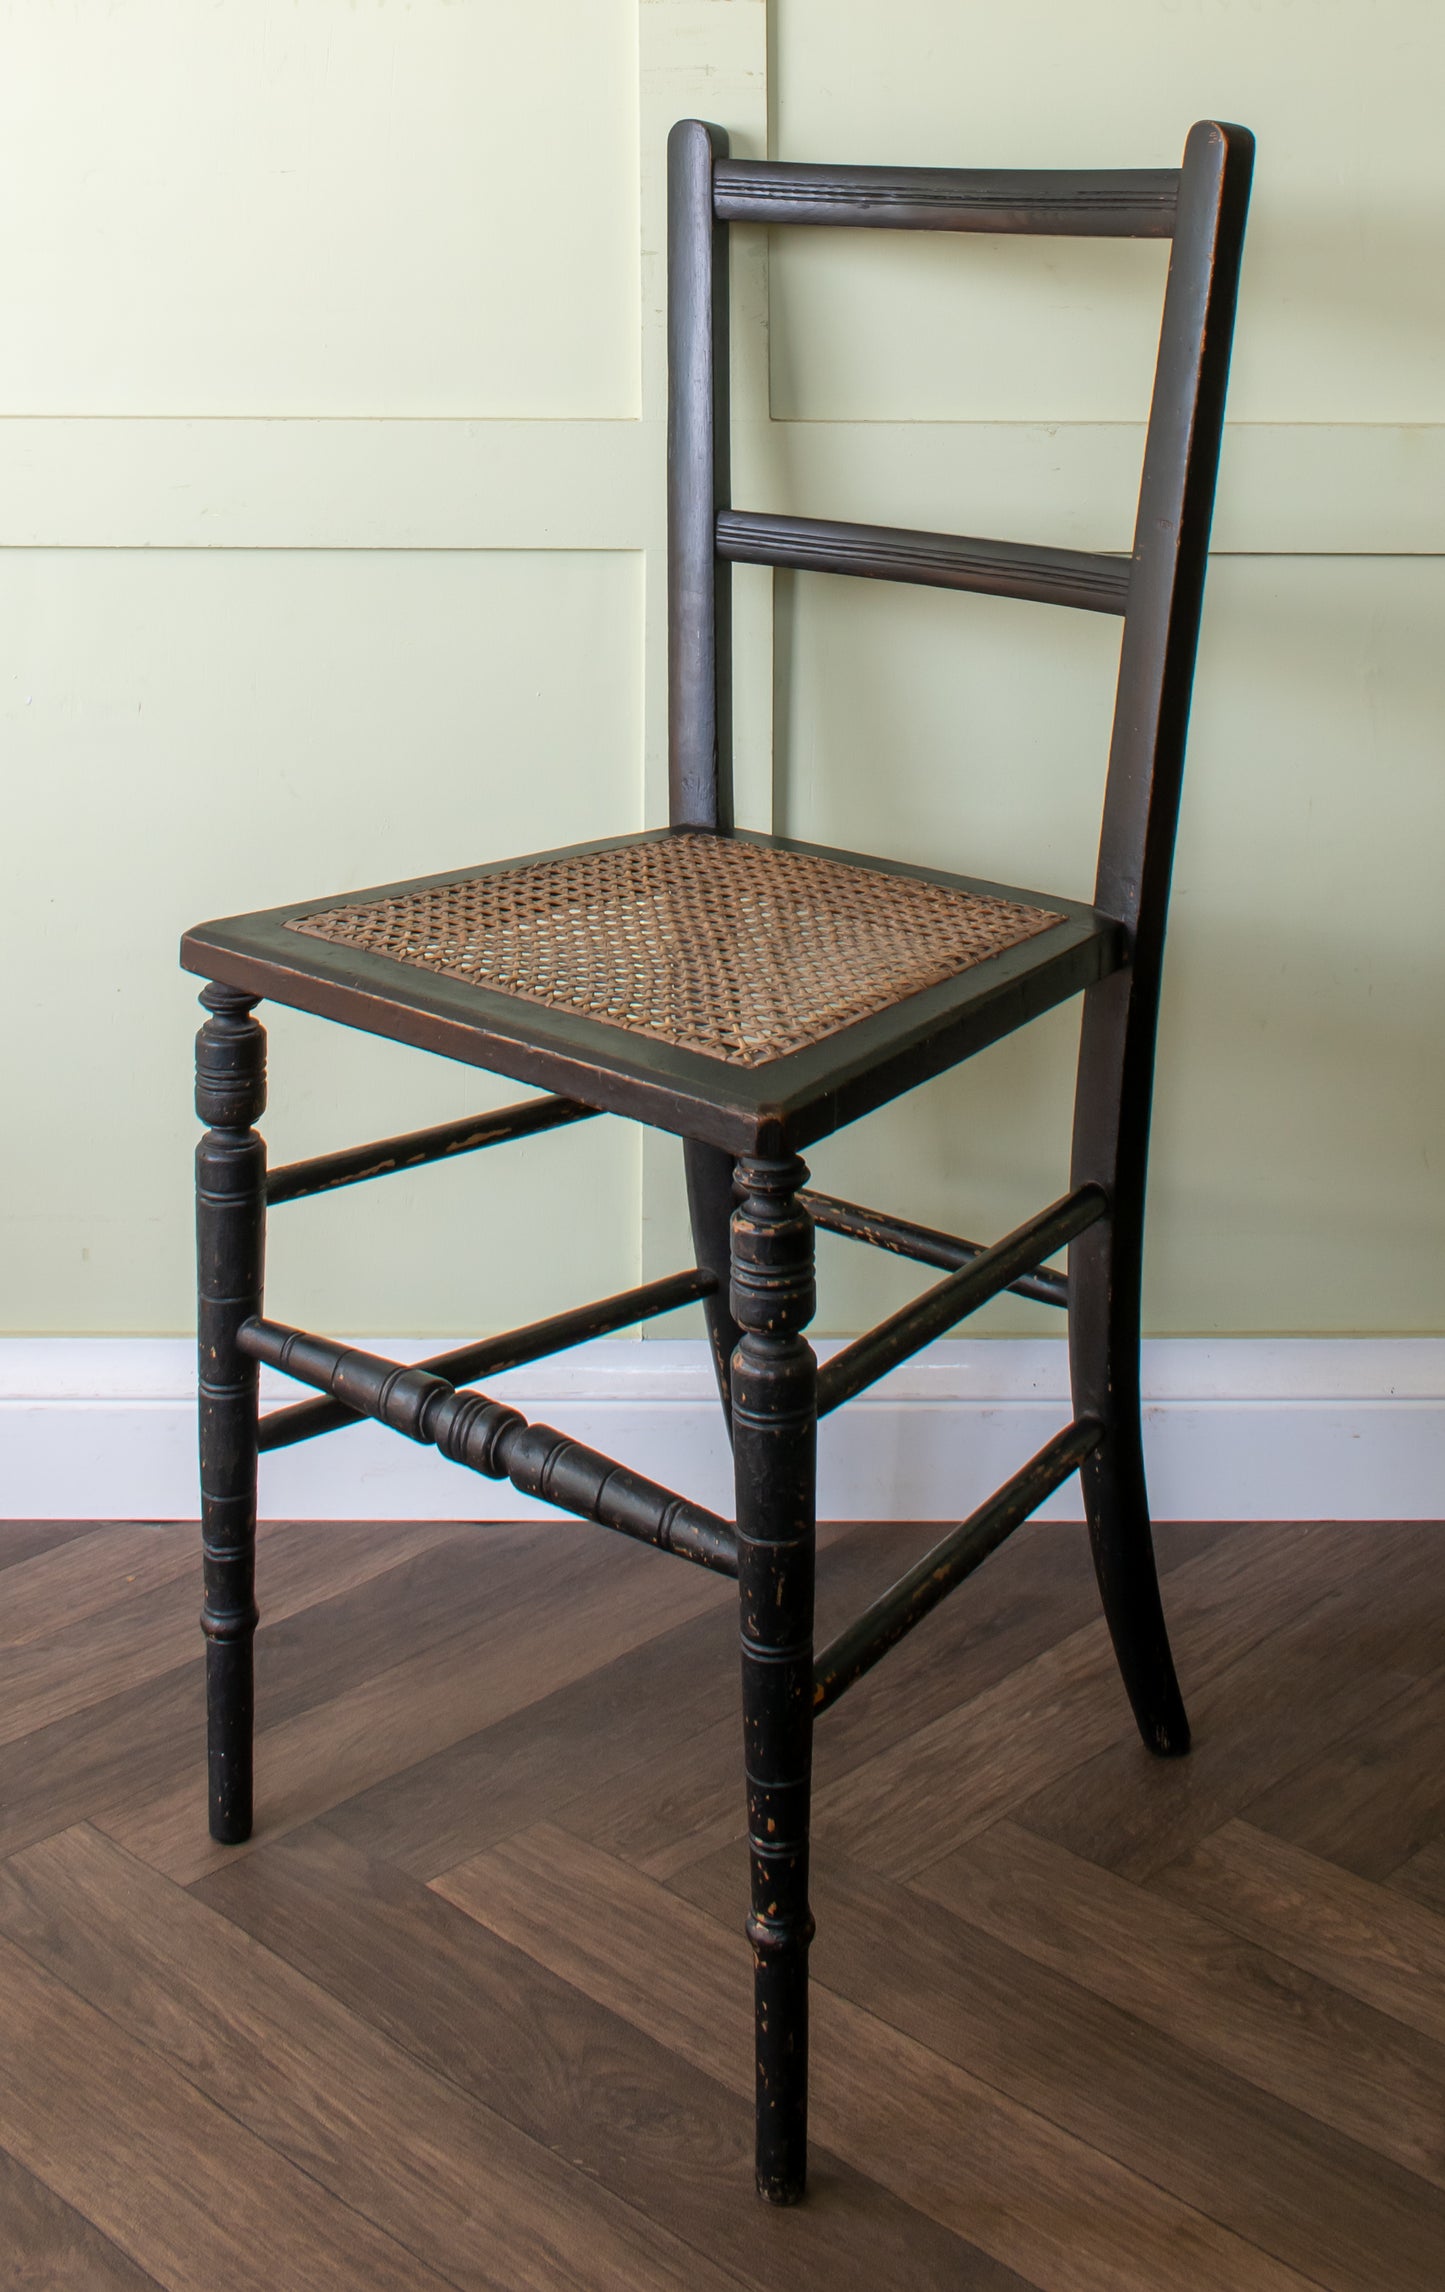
1136,855
490,1356
774,1385
913,1326
486,1436
293,1181
230,1249
1115,203
936,560
699,591
925,1244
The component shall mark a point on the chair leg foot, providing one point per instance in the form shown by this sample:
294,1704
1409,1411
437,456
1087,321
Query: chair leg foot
780,1996
774,1392
230,1243
230,1731
1116,1502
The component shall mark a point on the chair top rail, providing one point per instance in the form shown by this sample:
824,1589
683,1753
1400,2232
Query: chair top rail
937,560
1111,203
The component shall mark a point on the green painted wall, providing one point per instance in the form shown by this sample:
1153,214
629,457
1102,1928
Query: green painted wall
330,456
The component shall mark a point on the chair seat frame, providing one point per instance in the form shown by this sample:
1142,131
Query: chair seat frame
753,1215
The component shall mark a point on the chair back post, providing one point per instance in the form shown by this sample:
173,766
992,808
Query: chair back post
1171,536
1146,757
699,584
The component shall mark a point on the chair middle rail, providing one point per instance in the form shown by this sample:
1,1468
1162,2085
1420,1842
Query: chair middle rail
1078,577
906,1332
472,1429
945,1566
926,1245
510,1349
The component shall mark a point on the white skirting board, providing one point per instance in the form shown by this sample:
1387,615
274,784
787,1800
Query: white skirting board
1240,1428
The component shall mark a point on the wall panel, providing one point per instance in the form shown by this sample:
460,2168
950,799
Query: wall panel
329,209
1342,314
190,732
331,525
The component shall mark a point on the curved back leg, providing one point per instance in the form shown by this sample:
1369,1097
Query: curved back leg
1111,1143
1136,854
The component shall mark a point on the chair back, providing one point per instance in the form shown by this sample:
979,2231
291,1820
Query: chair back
1201,207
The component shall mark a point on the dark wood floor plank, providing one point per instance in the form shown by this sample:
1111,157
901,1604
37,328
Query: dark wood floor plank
1318,2202
480,2202
70,1665
423,1606
578,1742
1373,1799
589,1733
639,2119
594,1744
590,1604
1216,2066
20,1539
1242,2007
1254,1721
1176,1542
46,2246
338,1598
1380,1947
1390,1614
955,1777
1421,1876
64,1773
1033,2196
684,1801
86,1575
169,2178
664,1806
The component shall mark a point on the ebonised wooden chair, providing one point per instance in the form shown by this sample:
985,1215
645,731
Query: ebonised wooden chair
751,994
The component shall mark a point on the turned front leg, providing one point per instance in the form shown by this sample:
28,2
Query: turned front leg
774,1402
230,1244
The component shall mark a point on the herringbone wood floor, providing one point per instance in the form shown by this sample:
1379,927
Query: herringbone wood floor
472,2010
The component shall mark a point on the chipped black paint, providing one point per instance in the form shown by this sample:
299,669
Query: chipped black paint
230,1250
774,1393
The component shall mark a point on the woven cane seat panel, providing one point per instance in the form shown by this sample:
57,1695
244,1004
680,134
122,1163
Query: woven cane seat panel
739,951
